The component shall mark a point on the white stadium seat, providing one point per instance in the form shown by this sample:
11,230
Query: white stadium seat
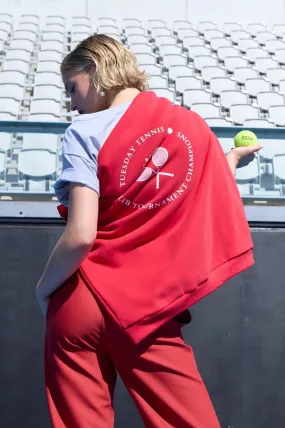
219,42
263,36
206,25
137,38
194,51
280,55
48,78
53,36
192,96
28,26
201,61
11,91
10,105
169,49
158,82
241,74
16,65
52,45
111,21
263,64
251,172
277,114
81,20
254,28
173,59
55,19
43,117
244,44
281,86
135,30
185,82
177,25
141,48
206,109
228,98
160,31
254,53
271,148
165,93
256,85
18,54
48,67
219,84
273,45
50,56
105,29
152,23
5,141
179,70
146,59
278,163
268,99
20,44
213,71
218,121
239,34
28,18
258,123
58,28
278,30
78,37
229,27
213,33
163,40
232,62
151,69
44,106
38,165
12,77
275,75
25,35
47,92
187,32
239,113
193,41
2,164
225,52
40,141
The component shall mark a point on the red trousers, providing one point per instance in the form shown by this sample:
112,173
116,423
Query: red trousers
83,350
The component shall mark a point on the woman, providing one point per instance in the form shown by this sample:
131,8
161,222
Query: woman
168,230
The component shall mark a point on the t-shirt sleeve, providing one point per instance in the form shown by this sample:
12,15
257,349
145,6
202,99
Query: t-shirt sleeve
79,164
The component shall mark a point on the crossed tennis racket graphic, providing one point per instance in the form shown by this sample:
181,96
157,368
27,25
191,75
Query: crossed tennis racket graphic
159,158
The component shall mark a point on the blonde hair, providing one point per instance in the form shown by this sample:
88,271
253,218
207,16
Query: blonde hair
116,66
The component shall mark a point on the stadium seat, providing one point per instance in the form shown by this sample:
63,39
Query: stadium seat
229,27
165,93
164,40
5,141
193,41
201,61
206,109
6,17
249,174
52,37
106,29
146,59
218,121
263,64
81,20
228,98
271,148
194,51
12,77
219,42
227,144
151,69
254,28
185,82
48,67
43,117
28,26
20,44
11,91
275,75
29,18
40,141
239,34
277,114
278,163
154,23
169,49
209,72
177,25
25,35
78,37
2,166
206,25
55,19
112,21
232,62
18,55
135,31
37,166
44,106
55,28
255,53
131,22
50,56
280,55
213,33
187,32
174,59
219,84
281,86
258,123
16,65
225,52
263,36
256,85
192,96
137,38
141,48
179,70
241,74
278,30
48,92
244,44
158,82
10,106
239,113
268,99
273,45
160,31
49,78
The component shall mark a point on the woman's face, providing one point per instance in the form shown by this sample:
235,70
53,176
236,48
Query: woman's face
81,90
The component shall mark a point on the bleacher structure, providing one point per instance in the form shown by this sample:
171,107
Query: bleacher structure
229,74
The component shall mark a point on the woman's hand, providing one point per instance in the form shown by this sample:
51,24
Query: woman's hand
241,156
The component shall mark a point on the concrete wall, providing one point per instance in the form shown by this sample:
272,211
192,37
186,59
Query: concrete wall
237,333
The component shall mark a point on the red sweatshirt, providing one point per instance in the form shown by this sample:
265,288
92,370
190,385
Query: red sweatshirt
171,226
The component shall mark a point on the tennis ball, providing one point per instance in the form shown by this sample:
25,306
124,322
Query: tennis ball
245,138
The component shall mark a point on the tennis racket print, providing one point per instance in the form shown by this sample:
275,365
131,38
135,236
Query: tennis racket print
159,158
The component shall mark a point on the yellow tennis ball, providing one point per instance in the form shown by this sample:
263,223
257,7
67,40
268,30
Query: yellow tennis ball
245,138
